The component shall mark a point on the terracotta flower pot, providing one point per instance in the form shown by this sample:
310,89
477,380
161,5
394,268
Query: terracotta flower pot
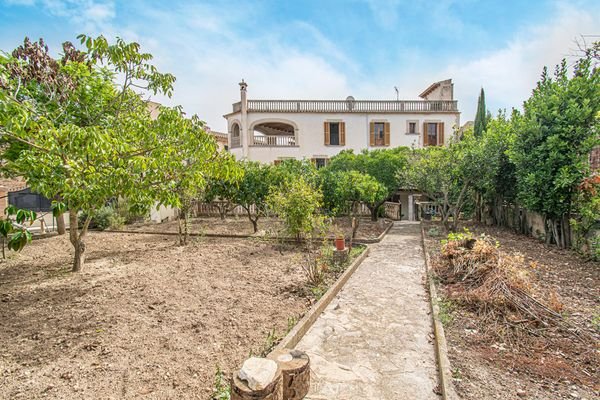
340,243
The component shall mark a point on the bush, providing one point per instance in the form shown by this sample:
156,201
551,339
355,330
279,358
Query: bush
104,218
298,204
130,213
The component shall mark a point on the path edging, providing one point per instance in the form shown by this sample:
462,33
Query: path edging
441,346
234,236
299,330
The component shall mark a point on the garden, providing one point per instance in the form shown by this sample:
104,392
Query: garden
120,306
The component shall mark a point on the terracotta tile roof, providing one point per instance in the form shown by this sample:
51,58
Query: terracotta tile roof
12,184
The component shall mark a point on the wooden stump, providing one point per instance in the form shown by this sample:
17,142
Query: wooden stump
295,367
241,391
341,256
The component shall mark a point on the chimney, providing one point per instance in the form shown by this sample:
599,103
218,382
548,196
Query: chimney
244,134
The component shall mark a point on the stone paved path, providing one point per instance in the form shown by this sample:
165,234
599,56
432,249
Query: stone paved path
374,341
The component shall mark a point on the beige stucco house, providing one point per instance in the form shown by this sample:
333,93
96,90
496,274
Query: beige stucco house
271,130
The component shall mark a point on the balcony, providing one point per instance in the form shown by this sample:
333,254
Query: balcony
350,106
273,141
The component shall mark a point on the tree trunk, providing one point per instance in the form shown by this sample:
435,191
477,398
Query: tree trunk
76,237
79,258
186,226
253,220
3,250
355,224
60,224
478,206
182,234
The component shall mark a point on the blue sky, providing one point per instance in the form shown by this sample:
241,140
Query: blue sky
324,49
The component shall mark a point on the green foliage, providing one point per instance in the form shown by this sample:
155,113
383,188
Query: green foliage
253,190
128,212
587,215
104,218
292,169
82,138
221,388
14,227
433,232
463,236
181,162
383,165
481,116
557,131
446,175
596,319
342,190
496,179
298,204
446,307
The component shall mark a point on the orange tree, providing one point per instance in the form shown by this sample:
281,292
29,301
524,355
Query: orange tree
94,144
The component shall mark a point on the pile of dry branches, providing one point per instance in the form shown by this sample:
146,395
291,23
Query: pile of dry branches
499,287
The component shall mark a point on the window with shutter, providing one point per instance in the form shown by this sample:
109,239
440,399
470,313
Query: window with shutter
372,133
386,139
432,134
326,130
441,134
412,127
378,136
320,162
342,133
334,133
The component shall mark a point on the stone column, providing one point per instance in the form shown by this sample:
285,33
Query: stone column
411,208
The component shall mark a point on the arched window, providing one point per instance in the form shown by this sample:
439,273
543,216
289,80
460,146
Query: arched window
235,135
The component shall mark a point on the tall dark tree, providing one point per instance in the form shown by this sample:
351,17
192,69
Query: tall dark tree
481,117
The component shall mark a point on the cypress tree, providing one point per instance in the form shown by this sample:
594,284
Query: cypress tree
481,116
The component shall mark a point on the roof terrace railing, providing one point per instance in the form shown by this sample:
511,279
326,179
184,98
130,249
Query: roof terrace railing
350,106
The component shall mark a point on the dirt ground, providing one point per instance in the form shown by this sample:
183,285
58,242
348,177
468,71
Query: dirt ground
241,226
145,318
553,367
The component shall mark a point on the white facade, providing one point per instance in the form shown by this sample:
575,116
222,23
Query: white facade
270,130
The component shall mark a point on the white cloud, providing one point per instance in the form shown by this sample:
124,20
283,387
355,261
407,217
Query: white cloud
509,74
89,15
203,46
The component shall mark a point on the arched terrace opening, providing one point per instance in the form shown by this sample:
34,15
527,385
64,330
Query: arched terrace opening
274,133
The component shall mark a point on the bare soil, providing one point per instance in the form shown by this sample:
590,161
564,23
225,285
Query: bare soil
367,229
145,318
552,366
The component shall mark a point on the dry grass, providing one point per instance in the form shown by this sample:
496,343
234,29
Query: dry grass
500,288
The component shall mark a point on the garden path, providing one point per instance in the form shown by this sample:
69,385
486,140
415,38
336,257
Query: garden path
374,341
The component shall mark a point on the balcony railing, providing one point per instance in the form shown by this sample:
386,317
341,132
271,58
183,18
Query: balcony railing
274,141
350,106
235,141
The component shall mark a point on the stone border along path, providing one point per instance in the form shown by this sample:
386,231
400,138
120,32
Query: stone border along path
375,339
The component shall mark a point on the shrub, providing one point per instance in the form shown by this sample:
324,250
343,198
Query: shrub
104,218
298,204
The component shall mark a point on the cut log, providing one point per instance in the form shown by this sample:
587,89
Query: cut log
295,368
258,379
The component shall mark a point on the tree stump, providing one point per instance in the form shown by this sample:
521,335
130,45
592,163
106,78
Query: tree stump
295,367
341,256
258,379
